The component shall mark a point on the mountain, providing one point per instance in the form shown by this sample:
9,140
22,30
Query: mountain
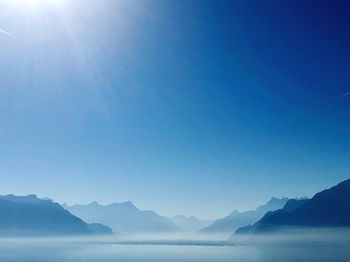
230,223
328,208
191,223
293,204
100,229
32,216
124,218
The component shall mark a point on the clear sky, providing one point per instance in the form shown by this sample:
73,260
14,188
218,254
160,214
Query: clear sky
183,107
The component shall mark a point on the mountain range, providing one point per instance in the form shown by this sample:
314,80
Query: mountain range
124,218
227,225
328,208
32,216
190,223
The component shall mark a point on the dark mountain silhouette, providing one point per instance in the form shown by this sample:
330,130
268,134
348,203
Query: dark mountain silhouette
191,223
124,218
230,223
329,208
32,216
293,204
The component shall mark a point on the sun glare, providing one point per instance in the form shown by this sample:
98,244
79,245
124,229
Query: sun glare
38,3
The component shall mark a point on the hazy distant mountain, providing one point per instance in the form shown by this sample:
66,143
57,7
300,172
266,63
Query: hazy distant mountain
329,208
30,215
124,218
191,223
97,228
230,223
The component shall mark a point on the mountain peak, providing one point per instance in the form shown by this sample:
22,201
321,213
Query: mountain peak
32,198
128,203
273,204
276,199
234,213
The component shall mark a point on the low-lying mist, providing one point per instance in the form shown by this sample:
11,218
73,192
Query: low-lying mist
295,236
315,245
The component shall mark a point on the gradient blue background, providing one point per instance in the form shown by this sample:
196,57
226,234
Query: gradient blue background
183,107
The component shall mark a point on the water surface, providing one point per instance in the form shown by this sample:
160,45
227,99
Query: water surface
317,248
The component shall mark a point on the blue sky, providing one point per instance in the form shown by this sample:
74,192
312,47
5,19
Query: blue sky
183,107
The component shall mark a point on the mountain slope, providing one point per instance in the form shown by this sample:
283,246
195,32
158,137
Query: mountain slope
124,218
191,223
329,208
30,215
230,223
